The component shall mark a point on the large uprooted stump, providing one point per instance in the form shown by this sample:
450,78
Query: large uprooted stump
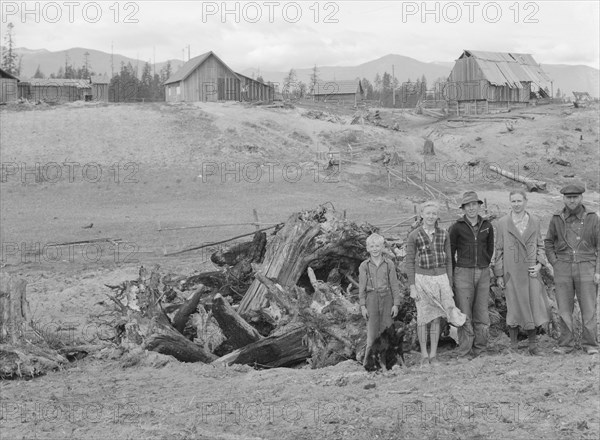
22,353
307,238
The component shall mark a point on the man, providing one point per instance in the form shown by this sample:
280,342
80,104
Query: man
472,247
572,247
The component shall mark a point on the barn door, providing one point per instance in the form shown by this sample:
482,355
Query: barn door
221,89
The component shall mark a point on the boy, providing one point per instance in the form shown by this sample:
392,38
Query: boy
378,289
472,247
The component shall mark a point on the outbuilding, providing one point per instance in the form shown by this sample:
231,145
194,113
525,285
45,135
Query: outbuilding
484,82
8,86
340,91
206,78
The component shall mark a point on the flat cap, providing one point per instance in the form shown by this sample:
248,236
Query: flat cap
572,189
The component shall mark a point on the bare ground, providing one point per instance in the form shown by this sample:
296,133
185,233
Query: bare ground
166,166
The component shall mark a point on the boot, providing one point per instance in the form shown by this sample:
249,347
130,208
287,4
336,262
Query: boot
533,348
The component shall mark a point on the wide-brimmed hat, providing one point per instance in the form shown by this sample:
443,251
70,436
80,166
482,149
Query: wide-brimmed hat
456,317
468,197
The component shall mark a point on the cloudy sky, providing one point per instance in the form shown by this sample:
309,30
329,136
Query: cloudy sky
278,35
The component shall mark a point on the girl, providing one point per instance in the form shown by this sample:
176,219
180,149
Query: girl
429,269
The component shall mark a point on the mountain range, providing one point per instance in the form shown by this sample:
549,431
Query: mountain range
566,77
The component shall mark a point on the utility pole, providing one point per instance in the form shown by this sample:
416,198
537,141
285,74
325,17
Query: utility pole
393,87
189,57
112,61
153,61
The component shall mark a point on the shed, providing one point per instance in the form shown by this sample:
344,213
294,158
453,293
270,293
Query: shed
343,91
8,86
56,89
99,87
253,90
481,82
207,78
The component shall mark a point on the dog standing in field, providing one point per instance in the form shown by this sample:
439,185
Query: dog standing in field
387,350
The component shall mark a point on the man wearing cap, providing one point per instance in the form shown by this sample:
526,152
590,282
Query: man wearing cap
572,247
472,247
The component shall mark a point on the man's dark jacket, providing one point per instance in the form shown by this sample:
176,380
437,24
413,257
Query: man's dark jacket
471,246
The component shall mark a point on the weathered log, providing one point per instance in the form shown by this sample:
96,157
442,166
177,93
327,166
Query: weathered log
183,313
532,184
26,360
250,251
284,349
176,345
238,332
213,279
276,294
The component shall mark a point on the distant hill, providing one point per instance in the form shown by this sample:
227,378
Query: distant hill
566,77
99,61
405,69
574,78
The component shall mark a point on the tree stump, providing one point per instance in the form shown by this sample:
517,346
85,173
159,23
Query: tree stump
14,309
307,238
428,148
19,357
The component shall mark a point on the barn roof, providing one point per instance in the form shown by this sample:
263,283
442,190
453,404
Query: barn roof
337,87
187,69
254,79
509,68
99,79
5,74
59,82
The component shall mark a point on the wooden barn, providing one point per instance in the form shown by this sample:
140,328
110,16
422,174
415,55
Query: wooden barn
99,85
253,90
340,91
8,87
484,82
56,90
207,78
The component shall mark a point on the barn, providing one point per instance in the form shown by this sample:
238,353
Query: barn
99,85
253,90
207,78
56,90
8,87
340,91
484,82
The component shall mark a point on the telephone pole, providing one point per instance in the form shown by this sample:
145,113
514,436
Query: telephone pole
112,61
393,87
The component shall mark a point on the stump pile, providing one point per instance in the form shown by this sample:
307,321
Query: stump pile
280,300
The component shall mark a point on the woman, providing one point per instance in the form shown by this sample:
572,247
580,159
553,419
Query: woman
429,270
519,257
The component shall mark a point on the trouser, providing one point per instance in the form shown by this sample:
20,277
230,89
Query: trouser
472,290
576,279
379,308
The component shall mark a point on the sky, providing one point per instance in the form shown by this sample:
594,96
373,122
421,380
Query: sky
279,35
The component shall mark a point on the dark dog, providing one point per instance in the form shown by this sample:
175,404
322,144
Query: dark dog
387,350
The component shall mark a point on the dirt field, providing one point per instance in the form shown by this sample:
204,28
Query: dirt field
134,172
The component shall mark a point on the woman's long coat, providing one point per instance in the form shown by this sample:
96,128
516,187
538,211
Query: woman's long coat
526,298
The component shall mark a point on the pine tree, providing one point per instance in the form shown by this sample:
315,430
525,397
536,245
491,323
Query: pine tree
289,83
368,88
38,73
9,57
314,78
